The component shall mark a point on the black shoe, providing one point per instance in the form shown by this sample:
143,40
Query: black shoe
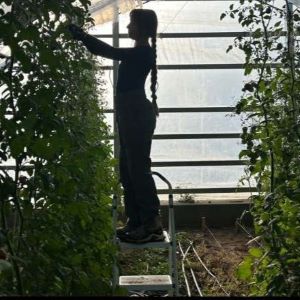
124,230
150,232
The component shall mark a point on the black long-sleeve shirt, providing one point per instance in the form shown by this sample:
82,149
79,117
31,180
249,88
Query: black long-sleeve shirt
136,62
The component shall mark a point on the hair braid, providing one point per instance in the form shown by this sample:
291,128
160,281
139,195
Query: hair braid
154,78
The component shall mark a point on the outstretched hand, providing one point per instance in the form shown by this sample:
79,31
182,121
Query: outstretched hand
76,31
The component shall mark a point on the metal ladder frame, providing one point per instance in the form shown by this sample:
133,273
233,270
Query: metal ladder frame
172,241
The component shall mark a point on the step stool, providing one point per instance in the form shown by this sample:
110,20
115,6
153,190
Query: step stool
151,282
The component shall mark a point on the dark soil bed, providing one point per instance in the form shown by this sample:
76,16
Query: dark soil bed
221,251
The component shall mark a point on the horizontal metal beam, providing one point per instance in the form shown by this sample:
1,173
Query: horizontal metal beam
199,163
208,190
188,136
163,164
193,0
196,109
194,136
189,109
200,66
184,35
192,67
203,109
12,168
174,191
197,136
173,35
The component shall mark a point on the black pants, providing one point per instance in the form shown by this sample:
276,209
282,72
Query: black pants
136,123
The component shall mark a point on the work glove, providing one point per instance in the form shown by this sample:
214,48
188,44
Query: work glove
76,32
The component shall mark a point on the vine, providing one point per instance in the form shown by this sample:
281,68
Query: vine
269,108
55,205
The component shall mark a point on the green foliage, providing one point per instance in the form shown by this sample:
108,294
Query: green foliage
56,214
271,119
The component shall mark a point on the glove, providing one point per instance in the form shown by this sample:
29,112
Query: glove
76,32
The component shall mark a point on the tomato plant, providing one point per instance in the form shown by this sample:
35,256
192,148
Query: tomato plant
270,108
55,206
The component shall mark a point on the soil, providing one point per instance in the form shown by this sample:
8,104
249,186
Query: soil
221,255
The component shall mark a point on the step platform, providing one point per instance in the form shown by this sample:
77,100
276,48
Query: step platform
162,244
146,282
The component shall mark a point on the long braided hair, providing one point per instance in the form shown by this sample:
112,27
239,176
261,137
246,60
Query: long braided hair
146,20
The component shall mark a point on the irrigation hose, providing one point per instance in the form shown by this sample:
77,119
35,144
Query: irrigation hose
192,271
209,272
183,267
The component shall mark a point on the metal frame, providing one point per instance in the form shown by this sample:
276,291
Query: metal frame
199,67
169,242
188,109
172,234
191,34
192,109
116,36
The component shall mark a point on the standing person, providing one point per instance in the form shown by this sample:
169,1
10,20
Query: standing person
136,120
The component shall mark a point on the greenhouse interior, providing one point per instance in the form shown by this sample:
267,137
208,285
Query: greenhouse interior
223,173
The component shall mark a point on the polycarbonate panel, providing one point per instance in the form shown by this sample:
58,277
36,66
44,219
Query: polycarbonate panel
193,123
109,118
194,16
105,28
197,88
190,88
194,51
108,92
200,177
188,16
195,149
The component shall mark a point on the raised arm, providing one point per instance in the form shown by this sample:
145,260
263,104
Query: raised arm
99,47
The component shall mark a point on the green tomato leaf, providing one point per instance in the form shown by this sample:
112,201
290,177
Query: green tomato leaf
244,271
256,252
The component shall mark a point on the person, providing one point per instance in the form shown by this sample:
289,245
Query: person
136,122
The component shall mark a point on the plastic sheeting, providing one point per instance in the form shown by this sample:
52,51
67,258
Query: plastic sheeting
191,88
104,11
295,2
187,88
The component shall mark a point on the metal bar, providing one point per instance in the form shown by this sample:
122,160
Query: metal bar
208,190
116,146
193,136
200,66
199,163
179,109
206,66
115,277
12,167
197,136
195,0
196,109
192,34
203,109
185,35
116,32
189,109
175,191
